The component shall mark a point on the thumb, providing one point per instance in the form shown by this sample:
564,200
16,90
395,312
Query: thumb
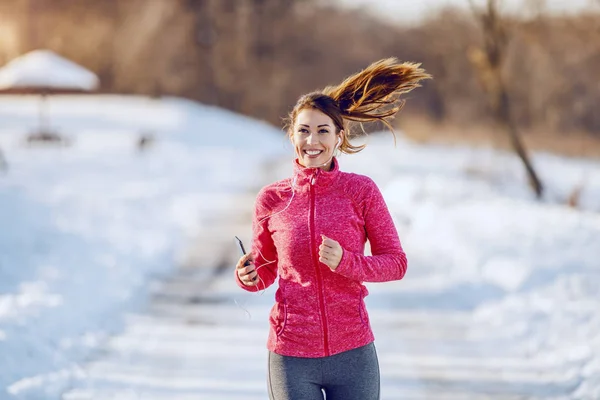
328,241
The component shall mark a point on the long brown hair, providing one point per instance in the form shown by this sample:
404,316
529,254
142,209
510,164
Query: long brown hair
372,94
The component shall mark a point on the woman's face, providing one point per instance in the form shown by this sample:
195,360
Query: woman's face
314,138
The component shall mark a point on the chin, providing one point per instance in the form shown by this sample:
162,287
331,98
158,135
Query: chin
313,163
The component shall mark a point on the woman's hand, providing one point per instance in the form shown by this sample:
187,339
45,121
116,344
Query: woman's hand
247,273
330,252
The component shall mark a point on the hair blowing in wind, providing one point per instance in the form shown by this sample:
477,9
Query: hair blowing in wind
370,95
373,93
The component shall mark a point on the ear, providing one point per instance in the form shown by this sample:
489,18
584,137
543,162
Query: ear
339,141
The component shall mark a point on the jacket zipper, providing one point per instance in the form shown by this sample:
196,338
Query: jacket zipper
317,266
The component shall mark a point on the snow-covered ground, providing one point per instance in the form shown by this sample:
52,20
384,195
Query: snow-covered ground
84,228
477,240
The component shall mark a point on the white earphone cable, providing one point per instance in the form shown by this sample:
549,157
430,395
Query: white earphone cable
267,262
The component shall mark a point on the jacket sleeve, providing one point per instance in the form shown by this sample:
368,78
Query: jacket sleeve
388,261
263,249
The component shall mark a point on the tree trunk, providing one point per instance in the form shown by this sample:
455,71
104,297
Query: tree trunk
488,63
516,142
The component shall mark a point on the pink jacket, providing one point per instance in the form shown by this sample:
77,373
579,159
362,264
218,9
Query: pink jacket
319,312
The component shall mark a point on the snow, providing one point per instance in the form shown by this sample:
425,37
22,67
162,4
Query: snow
85,227
501,295
527,270
46,69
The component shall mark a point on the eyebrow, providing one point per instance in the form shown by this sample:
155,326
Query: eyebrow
318,126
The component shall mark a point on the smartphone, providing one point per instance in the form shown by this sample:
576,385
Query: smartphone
242,250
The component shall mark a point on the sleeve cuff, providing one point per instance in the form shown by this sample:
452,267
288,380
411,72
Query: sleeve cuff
345,266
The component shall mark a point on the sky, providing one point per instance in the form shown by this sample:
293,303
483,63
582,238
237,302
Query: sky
412,10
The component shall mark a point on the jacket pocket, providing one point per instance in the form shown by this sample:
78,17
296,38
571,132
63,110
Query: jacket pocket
362,310
280,319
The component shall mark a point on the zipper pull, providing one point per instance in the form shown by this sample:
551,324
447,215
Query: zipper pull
314,177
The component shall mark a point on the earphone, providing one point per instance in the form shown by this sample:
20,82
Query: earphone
292,187
293,192
267,262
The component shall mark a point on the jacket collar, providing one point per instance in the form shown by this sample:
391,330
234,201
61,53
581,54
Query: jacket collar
304,176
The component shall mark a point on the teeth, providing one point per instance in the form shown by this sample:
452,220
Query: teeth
313,152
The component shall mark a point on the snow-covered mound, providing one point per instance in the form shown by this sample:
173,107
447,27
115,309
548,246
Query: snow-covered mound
46,69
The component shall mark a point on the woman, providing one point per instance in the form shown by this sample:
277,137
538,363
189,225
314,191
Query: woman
310,231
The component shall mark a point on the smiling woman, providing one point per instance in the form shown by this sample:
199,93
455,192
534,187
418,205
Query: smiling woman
310,232
373,94
315,138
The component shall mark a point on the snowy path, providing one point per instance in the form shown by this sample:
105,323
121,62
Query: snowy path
500,301
201,337
203,346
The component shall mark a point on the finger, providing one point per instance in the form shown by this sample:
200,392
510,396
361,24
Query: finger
242,261
328,253
252,276
250,282
248,269
247,278
324,260
329,243
245,258
243,274
330,250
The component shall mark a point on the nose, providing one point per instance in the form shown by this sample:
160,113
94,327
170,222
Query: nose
312,139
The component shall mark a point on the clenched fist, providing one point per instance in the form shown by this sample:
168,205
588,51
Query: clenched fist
330,252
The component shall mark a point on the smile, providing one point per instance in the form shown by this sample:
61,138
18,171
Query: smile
313,152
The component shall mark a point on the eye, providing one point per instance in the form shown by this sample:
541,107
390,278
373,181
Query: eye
323,131
302,130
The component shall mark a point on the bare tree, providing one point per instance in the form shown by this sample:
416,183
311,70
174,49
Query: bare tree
257,56
206,36
488,62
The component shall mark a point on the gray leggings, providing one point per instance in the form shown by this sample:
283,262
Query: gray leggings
351,375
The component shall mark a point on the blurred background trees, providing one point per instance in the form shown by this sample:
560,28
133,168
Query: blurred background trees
257,56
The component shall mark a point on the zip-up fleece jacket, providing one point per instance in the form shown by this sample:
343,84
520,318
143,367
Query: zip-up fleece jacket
319,312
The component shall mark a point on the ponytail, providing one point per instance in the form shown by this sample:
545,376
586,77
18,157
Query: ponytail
370,95
373,93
